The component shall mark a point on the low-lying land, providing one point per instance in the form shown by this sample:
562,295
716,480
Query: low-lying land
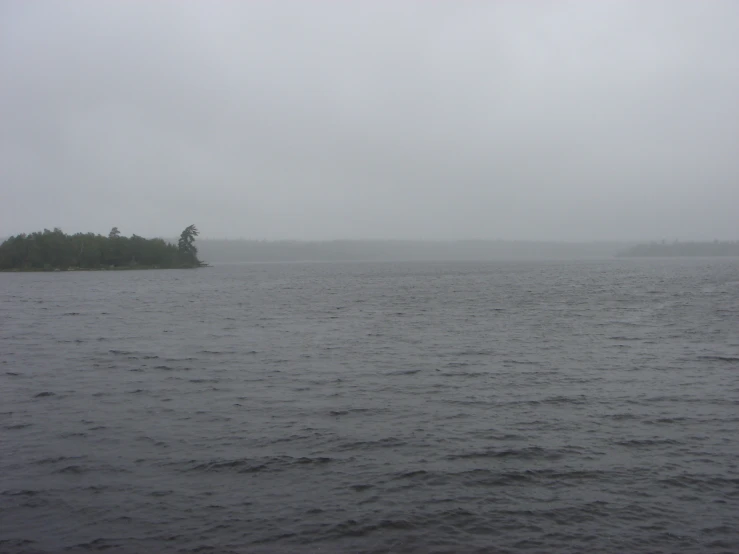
56,251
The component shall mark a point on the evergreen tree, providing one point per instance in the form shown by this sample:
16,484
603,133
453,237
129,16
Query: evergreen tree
186,245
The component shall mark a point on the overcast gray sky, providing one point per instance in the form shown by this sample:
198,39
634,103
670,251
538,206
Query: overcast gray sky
375,119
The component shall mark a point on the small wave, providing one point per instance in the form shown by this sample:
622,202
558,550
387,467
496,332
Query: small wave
17,543
97,489
452,521
44,394
404,372
320,460
646,442
553,400
17,426
701,482
474,353
666,420
486,478
20,492
558,475
531,453
246,465
465,374
519,362
720,358
412,474
352,528
97,544
152,441
621,417
381,443
361,487
74,470
240,466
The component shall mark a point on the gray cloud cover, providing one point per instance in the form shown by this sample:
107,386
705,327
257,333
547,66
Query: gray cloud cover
529,120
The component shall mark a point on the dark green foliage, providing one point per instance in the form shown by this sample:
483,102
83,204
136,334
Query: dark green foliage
186,244
56,250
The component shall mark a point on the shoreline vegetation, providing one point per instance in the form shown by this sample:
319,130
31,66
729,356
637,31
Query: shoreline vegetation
56,251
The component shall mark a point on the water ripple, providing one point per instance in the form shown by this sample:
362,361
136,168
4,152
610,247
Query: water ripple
509,407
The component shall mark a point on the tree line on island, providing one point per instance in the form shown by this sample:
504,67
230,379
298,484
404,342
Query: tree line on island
55,250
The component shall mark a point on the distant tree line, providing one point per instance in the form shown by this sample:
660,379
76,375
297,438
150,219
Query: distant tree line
239,250
51,250
676,248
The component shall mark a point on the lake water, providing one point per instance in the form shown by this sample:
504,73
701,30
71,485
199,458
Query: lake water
585,406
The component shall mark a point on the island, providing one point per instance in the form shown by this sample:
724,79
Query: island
679,249
56,251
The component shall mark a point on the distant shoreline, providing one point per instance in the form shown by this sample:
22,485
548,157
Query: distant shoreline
90,252
247,251
714,249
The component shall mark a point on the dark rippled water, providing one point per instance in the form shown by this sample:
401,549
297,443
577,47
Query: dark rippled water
503,407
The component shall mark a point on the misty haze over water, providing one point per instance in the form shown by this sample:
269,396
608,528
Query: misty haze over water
576,121
237,251
527,339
